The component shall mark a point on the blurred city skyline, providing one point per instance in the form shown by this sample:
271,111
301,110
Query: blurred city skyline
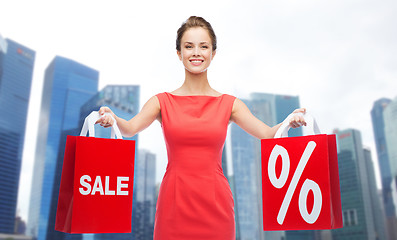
338,57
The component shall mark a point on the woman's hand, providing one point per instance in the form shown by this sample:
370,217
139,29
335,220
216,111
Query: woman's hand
297,119
106,121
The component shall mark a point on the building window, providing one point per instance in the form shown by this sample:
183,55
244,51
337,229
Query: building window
345,218
353,216
350,217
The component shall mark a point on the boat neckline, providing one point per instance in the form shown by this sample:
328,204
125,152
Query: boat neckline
195,95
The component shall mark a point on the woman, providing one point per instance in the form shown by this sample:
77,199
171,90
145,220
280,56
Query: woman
195,201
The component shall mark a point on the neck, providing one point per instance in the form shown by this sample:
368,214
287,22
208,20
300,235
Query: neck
196,83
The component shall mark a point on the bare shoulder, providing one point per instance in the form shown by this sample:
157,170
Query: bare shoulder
154,99
239,111
238,105
153,104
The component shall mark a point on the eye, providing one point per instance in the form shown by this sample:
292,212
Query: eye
188,46
204,47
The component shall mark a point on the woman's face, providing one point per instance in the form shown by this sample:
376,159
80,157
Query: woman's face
196,50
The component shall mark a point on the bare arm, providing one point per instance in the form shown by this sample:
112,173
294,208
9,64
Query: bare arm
243,117
150,112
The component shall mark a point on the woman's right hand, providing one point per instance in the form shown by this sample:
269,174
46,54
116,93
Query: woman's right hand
106,121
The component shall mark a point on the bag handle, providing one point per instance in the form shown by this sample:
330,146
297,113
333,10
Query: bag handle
89,125
311,124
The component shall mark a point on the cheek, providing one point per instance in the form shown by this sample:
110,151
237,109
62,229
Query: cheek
183,56
180,56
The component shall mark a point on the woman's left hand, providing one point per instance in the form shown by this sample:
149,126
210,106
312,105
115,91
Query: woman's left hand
297,119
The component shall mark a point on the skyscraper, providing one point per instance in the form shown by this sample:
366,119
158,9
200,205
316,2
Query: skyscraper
271,109
376,202
245,181
145,196
67,86
16,70
380,134
390,121
51,233
357,189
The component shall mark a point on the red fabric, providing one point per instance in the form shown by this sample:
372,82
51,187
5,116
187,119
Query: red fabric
321,168
103,209
195,201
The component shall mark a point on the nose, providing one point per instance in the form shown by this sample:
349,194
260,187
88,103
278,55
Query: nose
196,51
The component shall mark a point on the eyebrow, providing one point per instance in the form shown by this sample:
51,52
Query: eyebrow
193,43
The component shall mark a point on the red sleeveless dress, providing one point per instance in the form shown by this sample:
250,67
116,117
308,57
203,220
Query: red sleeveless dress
195,201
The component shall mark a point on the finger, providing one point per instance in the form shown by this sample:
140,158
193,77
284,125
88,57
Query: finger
300,120
297,121
106,120
292,122
303,121
102,121
103,110
300,110
109,123
99,121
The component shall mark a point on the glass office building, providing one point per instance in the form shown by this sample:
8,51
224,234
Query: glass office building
67,86
390,121
246,186
380,133
145,196
376,200
271,109
16,70
381,149
51,233
356,174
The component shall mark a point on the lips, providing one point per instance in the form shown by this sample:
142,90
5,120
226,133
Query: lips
196,62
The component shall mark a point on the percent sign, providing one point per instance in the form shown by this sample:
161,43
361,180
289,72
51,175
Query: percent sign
306,187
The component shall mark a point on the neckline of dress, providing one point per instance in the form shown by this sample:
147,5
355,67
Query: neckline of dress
196,95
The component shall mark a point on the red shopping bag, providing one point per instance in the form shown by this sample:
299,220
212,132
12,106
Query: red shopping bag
96,188
300,181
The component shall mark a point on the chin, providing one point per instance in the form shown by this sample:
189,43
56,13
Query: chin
197,71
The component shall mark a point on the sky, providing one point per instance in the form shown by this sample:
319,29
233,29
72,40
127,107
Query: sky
338,56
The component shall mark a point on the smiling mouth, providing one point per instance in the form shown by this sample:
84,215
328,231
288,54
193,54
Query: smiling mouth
196,61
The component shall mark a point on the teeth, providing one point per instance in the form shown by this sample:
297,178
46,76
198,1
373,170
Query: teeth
196,61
